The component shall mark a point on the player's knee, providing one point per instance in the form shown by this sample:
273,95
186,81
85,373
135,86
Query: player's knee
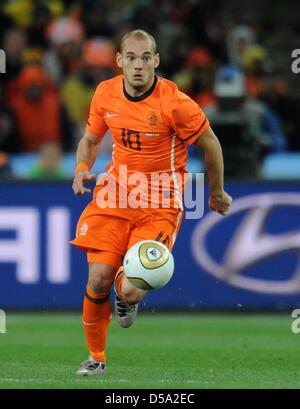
101,277
99,285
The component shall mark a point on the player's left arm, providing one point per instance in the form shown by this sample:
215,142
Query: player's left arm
219,200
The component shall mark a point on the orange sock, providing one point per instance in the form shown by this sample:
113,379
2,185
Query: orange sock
118,282
96,318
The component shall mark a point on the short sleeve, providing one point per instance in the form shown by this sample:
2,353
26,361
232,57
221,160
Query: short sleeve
95,123
188,119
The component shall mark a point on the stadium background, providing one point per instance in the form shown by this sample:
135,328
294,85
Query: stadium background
234,59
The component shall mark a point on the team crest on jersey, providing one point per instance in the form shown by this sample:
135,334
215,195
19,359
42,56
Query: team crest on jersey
153,118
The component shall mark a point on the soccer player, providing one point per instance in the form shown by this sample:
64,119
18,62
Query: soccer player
152,123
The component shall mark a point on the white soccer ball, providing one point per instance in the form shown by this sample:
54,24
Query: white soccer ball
148,265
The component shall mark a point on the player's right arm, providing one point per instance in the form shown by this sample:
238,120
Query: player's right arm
85,158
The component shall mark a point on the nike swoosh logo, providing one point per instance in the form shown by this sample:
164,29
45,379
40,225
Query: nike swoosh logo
111,115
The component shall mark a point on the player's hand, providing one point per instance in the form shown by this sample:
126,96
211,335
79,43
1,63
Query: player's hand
220,202
79,181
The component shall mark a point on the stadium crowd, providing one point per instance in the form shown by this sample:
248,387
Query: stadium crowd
57,52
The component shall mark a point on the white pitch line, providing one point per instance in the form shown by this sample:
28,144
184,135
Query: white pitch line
103,380
27,380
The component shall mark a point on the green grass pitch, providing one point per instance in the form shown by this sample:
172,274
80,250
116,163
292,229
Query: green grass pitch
160,351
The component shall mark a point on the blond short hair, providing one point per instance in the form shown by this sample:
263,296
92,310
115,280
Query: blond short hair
139,35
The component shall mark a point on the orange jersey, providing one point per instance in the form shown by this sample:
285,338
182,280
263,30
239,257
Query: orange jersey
150,133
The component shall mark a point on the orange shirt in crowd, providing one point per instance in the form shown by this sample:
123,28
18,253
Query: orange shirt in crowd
38,120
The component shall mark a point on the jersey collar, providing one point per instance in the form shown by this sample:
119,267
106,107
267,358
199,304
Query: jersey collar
141,97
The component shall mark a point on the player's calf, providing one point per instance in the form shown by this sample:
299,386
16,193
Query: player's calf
131,294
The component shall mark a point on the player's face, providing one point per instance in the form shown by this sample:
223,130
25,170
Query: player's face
138,62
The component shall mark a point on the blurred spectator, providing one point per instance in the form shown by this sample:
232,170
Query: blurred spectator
239,39
5,167
246,127
6,24
173,63
37,109
96,20
197,78
65,35
98,64
14,43
29,56
48,167
32,55
41,17
275,92
265,83
205,24
255,62
9,141
26,13
19,11
148,15
195,38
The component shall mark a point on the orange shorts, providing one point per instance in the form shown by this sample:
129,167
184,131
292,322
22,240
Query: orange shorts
106,234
